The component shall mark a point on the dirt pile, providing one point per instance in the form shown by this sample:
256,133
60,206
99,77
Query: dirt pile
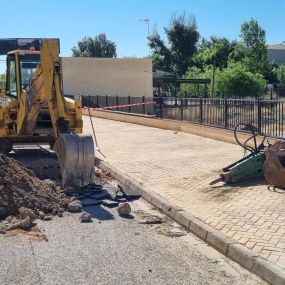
19,187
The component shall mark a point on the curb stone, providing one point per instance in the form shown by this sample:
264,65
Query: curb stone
268,271
242,255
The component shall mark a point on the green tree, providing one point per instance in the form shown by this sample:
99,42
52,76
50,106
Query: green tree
253,38
237,81
182,38
214,52
98,46
161,57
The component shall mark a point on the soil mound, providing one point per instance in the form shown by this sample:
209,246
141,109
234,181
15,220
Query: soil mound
19,187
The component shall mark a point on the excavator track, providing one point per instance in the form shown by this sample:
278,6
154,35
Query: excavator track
75,153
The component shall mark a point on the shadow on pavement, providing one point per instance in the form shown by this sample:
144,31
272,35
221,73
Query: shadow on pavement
28,155
99,213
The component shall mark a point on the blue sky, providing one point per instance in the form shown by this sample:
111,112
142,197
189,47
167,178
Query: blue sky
119,19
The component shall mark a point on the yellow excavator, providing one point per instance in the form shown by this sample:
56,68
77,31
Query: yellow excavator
33,109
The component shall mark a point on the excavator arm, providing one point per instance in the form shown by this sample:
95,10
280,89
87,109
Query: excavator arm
44,87
52,85
75,151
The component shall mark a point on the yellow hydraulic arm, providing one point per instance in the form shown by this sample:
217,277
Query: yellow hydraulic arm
44,87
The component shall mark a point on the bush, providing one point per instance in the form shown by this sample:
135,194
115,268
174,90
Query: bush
281,74
237,81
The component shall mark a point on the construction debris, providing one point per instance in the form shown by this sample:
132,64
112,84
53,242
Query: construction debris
22,193
24,197
162,225
124,209
48,218
95,194
26,212
172,232
274,165
75,206
85,218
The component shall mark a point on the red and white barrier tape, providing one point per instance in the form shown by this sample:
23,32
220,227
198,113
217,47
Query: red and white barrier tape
120,106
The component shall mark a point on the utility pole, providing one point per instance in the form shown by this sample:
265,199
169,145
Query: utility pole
146,21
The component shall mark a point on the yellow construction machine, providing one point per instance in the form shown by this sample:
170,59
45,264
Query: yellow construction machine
34,110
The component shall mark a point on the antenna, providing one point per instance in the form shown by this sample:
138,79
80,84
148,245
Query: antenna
146,21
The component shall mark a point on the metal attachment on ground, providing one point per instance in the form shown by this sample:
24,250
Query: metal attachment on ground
254,134
75,153
251,165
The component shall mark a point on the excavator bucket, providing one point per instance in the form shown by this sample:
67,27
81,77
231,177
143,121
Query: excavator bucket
75,153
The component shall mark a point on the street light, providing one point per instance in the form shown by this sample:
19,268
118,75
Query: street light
146,21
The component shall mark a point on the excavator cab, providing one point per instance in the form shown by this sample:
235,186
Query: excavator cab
20,68
34,95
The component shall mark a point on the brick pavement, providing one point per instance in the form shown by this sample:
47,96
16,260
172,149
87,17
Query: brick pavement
180,166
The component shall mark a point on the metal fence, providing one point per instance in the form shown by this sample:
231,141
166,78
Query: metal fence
110,101
267,116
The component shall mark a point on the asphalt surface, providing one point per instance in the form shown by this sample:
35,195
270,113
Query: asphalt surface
116,250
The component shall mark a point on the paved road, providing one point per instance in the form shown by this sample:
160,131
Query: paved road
114,250
180,166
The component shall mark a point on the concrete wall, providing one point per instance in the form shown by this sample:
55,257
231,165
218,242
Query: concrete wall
277,55
107,76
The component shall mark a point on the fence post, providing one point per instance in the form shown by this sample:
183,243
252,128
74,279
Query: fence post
201,110
97,100
181,114
258,115
143,100
160,107
106,101
225,113
117,102
129,102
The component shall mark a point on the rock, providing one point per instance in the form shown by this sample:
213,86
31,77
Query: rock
23,224
41,215
60,214
54,212
3,202
124,209
85,218
48,218
75,206
26,212
9,219
36,229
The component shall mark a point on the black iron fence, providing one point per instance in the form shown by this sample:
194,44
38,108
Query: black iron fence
137,105
267,116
